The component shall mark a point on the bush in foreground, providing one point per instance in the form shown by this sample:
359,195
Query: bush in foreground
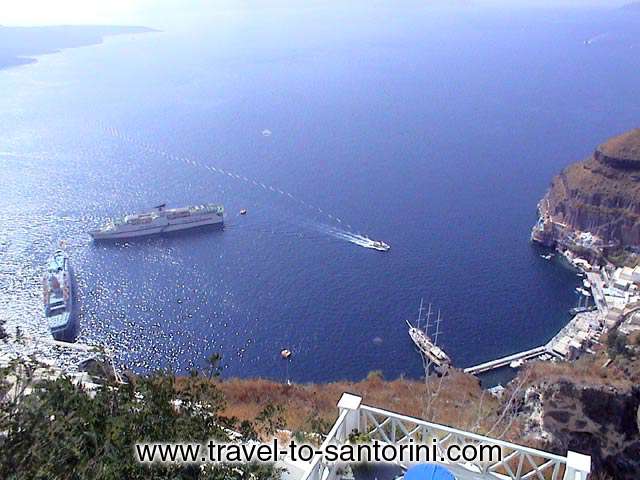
53,429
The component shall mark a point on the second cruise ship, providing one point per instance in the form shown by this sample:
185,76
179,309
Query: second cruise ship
59,297
161,220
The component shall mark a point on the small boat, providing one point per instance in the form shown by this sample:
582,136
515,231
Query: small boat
378,245
516,363
547,256
243,211
582,309
286,354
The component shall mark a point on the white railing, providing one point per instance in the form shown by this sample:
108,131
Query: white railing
516,462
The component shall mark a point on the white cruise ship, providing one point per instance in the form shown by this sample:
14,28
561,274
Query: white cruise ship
161,220
59,297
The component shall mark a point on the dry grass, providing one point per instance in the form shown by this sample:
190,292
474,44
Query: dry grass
625,146
458,403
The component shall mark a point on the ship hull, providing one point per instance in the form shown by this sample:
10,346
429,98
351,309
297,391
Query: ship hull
67,331
64,327
157,229
432,352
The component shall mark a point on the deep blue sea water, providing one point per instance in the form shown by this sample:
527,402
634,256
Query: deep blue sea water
435,130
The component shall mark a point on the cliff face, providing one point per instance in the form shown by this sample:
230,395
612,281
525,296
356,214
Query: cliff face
596,201
596,419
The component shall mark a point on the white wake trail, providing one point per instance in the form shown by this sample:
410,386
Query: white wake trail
336,232
355,238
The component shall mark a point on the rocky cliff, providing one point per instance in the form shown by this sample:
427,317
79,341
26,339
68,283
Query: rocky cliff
595,203
601,420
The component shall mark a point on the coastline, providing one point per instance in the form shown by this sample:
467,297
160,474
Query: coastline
609,296
23,45
614,288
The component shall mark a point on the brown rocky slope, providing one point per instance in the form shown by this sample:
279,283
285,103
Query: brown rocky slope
599,196
590,406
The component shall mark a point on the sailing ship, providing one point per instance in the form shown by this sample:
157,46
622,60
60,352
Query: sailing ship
428,346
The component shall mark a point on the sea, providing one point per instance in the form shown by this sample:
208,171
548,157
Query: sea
435,129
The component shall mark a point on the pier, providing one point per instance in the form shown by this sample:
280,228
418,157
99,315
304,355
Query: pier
583,330
504,361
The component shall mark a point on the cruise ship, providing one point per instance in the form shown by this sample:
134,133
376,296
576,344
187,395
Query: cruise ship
59,297
161,220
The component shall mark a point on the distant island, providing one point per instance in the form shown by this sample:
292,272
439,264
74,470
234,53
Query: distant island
634,6
19,44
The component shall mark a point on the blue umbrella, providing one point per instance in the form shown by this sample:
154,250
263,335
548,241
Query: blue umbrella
428,471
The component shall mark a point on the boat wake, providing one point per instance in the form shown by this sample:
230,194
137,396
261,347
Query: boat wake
338,231
360,240
596,39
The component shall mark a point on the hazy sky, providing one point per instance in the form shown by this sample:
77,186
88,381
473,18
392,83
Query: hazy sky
158,12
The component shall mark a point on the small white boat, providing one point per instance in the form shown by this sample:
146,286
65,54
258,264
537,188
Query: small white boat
243,211
547,256
378,245
286,354
516,363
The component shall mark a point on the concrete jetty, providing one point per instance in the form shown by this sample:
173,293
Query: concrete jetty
504,361
616,296
582,331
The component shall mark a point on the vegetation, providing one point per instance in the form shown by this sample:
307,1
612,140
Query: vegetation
358,437
461,402
621,257
52,428
616,344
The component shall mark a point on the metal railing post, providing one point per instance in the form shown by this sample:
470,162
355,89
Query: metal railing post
351,404
578,466
531,463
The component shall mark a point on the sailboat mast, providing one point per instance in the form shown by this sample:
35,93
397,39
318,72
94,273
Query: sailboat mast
428,322
435,336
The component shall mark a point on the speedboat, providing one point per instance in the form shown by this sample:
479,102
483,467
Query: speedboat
379,245
243,211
